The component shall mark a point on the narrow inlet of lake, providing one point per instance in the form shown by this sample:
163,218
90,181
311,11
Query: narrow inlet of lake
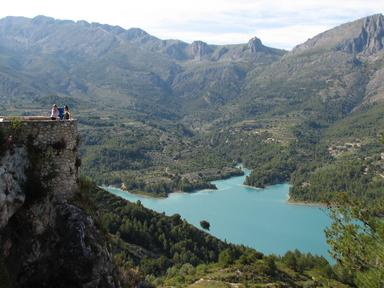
258,218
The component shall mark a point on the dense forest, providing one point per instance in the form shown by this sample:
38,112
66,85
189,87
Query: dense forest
146,159
325,160
316,156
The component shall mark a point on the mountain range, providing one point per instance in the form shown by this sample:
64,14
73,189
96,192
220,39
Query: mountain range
90,62
193,96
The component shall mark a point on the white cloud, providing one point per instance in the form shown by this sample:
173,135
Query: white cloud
278,23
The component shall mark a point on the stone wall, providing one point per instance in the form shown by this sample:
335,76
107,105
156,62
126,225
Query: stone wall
52,145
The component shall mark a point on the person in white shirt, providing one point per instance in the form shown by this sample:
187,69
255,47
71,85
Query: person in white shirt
54,112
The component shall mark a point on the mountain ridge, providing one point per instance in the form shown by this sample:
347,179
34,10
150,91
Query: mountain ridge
360,36
369,24
90,60
130,33
9,22
82,60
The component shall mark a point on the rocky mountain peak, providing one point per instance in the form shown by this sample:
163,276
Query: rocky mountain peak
134,33
43,20
364,36
255,45
371,38
199,49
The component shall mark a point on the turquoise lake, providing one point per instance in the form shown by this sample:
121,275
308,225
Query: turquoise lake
258,218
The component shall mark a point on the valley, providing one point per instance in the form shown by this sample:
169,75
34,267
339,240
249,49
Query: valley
158,116
163,115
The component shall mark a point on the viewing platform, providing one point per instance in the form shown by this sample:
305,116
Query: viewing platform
42,129
29,118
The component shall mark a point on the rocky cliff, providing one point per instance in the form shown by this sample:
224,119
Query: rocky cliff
255,45
45,239
364,36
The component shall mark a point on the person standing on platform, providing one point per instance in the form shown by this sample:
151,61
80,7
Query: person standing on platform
54,112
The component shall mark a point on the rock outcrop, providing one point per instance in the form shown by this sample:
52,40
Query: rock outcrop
12,175
364,36
371,38
256,46
199,49
55,244
45,239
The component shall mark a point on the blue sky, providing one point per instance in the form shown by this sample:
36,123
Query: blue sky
280,24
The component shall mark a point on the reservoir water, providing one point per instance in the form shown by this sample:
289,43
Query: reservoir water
258,218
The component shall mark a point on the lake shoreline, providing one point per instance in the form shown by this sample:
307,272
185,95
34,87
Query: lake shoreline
196,189
291,201
154,196
244,171
147,195
138,193
252,187
286,219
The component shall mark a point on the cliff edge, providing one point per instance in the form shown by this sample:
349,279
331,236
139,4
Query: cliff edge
45,239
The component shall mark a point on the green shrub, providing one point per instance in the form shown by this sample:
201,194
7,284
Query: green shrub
16,124
226,257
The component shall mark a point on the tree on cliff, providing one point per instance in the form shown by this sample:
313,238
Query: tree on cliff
205,224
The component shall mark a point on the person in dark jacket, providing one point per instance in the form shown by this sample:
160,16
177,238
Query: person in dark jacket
67,114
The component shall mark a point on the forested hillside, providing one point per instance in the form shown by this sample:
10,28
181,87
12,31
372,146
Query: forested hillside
154,250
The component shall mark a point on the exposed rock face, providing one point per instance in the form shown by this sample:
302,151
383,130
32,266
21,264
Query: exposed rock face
12,175
55,245
256,46
364,36
371,38
45,241
56,143
199,49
